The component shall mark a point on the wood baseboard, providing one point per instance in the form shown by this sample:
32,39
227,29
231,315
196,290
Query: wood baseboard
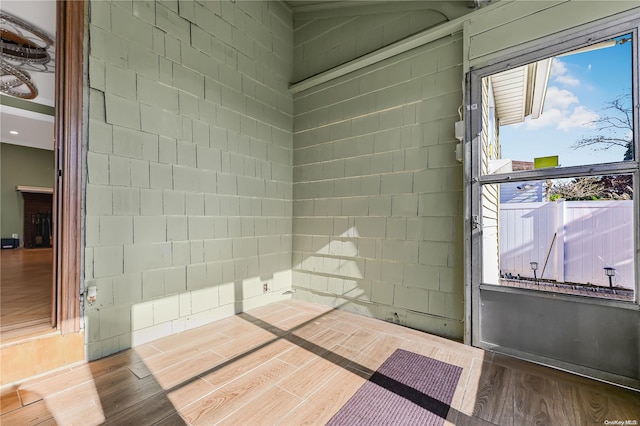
32,356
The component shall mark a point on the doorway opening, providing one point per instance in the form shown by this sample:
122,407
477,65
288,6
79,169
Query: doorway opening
550,223
28,169
553,177
66,219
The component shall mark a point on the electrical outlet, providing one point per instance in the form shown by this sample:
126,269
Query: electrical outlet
265,288
396,317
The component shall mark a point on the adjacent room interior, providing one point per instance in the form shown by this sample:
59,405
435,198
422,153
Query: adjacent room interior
28,179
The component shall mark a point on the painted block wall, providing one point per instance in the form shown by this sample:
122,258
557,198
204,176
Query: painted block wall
378,192
189,165
27,166
323,42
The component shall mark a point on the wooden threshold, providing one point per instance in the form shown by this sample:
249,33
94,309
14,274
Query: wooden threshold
27,331
32,355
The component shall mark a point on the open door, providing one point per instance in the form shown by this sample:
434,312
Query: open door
68,149
552,195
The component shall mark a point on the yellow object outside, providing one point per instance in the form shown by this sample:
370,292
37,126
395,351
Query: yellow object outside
544,162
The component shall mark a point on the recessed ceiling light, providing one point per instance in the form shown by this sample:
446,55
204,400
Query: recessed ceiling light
13,132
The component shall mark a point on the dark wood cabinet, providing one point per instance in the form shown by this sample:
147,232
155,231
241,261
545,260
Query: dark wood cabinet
38,225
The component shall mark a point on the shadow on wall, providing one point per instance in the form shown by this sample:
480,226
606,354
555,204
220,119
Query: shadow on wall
154,391
361,271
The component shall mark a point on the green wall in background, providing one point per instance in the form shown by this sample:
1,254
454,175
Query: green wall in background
21,166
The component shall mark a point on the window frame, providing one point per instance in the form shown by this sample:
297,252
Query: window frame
551,46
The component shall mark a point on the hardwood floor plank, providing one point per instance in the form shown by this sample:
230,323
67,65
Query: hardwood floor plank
314,373
112,363
493,399
360,339
327,338
345,327
282,315
331,396
191,339
266,409
301,352
238,367
26,285
165,360
184,395
146,412
122,389
312,328
619,408
301,376
81,402
538,400
173,420
188,369
472,387
224,401
377,352
591,406
245,342
464,420
246,327
36,389
31,414
9,401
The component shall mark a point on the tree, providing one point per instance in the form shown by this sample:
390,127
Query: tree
616,128
610,187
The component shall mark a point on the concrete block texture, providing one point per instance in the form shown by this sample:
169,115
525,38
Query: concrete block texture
374,157
190,158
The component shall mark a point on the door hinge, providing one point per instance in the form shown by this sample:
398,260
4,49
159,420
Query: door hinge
475,222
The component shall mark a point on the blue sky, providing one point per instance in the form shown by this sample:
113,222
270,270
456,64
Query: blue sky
579,87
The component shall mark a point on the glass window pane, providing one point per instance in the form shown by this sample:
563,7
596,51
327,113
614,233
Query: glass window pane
573,236
569,110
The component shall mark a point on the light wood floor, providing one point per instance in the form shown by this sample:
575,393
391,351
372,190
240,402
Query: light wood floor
294,363
25,292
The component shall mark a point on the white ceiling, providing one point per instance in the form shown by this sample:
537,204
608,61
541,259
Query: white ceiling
34,129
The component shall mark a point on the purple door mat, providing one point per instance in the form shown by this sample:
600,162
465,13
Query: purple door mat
407,389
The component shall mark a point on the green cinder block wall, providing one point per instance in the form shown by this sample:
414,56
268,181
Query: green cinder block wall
378,192
207,178
190,157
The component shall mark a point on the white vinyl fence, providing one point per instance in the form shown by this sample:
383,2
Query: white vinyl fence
572,241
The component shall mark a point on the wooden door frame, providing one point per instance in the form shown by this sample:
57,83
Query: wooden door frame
67,209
